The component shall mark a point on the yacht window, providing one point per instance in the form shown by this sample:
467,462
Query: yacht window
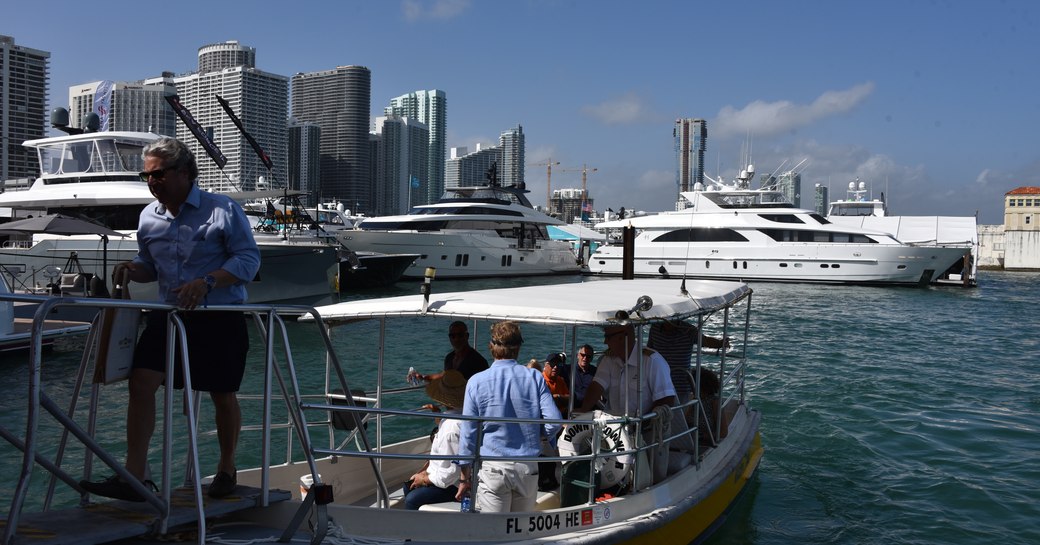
819,218
701,234
788,235
781,218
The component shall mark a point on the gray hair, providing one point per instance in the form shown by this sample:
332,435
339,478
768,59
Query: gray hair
174,153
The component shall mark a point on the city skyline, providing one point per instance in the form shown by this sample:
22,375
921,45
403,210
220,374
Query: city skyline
929,103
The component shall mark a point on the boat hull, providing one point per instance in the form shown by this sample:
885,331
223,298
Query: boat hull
476,254
686,507
373,270
832,263
289,271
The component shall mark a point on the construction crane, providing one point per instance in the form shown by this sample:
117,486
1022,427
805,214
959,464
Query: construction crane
585,170
549,163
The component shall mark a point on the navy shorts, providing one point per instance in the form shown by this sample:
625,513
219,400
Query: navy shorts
218,342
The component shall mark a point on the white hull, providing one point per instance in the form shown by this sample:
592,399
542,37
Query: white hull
786,262
464,254
289,271
743,234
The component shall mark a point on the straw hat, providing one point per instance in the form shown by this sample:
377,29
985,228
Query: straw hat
450,389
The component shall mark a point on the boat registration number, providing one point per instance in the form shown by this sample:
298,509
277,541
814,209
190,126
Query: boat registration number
557,521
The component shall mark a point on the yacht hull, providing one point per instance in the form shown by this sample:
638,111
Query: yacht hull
794,262
476,254
289,271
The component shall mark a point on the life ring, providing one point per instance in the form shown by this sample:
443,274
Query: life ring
576,440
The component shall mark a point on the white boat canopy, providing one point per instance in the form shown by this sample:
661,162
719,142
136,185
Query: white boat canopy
594,302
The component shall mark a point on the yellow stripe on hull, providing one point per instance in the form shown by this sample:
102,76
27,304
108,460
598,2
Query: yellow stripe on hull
695,521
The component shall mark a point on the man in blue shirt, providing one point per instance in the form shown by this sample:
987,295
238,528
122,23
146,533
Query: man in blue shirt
509,390
199,246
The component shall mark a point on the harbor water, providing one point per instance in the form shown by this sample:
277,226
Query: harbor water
890,415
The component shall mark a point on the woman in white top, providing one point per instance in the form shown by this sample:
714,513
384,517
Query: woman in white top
436,481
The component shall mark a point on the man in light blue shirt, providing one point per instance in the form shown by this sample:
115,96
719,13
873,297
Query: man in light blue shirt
510,390
199,246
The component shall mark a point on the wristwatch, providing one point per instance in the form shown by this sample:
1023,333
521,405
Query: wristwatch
211,282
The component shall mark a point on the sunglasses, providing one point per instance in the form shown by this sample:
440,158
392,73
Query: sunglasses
158,174
456,335
585,355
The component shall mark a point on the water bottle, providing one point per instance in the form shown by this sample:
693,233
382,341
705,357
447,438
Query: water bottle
413,377
467,502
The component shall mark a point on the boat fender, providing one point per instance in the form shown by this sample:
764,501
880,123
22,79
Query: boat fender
576,440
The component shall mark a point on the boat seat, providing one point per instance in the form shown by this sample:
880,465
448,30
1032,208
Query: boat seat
544,501
396,499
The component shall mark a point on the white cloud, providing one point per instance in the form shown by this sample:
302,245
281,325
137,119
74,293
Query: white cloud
761,118
623,110
418,10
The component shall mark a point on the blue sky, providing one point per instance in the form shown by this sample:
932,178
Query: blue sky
935,103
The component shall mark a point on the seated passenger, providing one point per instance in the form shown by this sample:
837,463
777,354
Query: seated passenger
554,379
437,481
462,358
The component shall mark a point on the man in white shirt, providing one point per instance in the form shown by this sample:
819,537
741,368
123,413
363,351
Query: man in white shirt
625,364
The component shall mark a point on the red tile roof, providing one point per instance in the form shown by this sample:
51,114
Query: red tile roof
1027,190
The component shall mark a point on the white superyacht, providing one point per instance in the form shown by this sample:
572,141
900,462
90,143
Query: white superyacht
729,231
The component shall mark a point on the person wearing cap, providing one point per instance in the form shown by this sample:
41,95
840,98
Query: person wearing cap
508,390
552,370
437,481
621,360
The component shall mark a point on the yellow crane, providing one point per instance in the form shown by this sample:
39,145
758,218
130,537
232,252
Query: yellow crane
549,163
585,170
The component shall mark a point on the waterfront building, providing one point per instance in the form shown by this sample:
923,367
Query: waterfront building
259,99
470,169
691,140
511,167
790,184
401,164
126,106
339,101
304,162
431,108
1021,229
566,204
821,199
23,106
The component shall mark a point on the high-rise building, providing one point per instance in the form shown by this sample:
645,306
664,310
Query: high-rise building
401,164
229,54
511,167
339,102
820,199
304,163
470,169
126,106
259,99
431,108
691,137
23,107
790,184
566,204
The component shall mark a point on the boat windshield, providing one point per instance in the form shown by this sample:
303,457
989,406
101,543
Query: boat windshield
488,194
851,209
97,156
748,199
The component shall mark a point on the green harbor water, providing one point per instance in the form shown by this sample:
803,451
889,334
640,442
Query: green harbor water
890,415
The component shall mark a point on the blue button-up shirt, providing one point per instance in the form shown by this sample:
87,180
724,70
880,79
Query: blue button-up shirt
507,389
210,232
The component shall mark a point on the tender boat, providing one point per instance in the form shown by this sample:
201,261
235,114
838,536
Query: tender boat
94,176
729,231
332,448
859,210
471,232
